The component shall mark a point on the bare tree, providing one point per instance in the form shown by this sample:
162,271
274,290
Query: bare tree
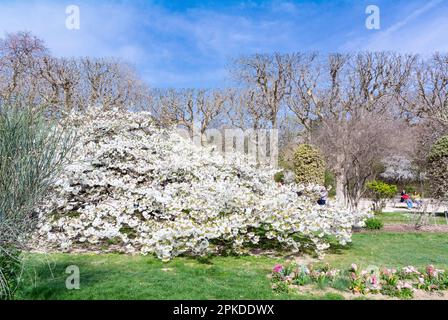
19,56
195,110
110,83
29,75
428,96
363,141
211,106
425,104
268,76
61,78
246,110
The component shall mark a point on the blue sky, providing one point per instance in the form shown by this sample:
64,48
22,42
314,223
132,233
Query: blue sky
188,43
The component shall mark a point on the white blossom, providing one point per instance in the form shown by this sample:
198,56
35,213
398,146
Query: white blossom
149,190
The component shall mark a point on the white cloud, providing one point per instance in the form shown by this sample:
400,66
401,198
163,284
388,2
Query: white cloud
414,15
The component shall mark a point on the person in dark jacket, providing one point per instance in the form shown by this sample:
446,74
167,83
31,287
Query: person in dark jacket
323,197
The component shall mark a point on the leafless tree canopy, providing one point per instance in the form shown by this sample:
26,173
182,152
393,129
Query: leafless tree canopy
194,110
268,76
29,75
19,56
427,96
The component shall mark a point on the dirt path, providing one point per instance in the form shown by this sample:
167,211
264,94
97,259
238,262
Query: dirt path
411,228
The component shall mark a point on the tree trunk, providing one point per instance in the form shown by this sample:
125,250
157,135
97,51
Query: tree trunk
341,192
340,189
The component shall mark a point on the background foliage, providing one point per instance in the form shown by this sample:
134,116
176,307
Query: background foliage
380,192
438,168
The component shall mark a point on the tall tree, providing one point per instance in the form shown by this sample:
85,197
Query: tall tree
267,74
19,58
195,110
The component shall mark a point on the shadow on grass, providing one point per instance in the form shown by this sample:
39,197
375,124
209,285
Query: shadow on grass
336,248
44,281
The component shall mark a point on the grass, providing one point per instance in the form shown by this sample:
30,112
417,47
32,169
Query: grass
403,218
393,250
114,276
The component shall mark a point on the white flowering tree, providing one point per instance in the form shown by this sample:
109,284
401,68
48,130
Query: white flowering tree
145,189
399,168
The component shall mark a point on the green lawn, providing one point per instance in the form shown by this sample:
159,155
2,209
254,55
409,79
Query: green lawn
404,218
116,276
393,250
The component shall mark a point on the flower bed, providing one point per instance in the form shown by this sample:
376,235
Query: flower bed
401,283
140,188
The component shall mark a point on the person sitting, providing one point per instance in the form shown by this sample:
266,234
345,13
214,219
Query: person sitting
402,194
417,199
406,198
323,196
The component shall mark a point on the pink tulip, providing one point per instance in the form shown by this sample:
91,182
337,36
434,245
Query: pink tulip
278,268
430,270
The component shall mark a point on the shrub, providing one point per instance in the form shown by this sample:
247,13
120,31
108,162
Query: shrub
374,224
10,271
176,198
309,165
32,151
279,177
439,149
380,192
284,177
438,168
